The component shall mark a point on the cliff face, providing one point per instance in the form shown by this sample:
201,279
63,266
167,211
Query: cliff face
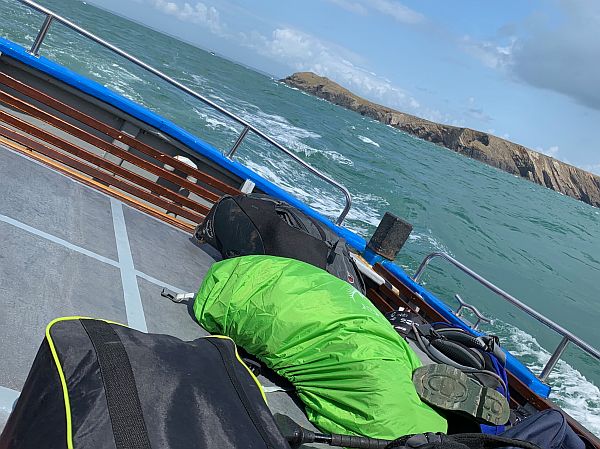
492,150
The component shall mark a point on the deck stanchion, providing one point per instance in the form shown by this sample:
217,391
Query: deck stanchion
558,352
35,48
238,142
567,335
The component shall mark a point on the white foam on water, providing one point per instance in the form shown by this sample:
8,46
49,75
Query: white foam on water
112,75
338,157
434,245
367,140
575,394
365,209
216,97
215,121
279,173
275,124
128,93
198,79
289,135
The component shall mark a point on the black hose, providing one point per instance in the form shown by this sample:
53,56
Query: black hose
437,356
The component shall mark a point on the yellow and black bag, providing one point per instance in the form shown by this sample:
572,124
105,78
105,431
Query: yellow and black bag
100,385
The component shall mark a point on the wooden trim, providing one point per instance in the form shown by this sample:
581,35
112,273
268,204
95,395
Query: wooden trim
106,146
115,134
103,163
108,190
98,174
379,301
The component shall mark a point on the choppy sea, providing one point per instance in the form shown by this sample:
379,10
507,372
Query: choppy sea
540,246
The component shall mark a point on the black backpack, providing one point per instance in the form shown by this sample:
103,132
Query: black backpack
99,385
259,224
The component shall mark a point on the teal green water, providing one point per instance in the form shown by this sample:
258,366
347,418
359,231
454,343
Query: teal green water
538,245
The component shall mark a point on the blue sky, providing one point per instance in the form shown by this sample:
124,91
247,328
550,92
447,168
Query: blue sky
528,71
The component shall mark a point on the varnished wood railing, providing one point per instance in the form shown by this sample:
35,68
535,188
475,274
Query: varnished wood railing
66,151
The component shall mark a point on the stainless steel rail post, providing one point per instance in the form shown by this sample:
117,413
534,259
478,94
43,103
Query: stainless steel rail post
556,355
238,142
35,48
567,335
187,90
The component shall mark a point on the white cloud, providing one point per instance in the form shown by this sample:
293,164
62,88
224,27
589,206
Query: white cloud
490,54
550,151
593,168
199,13
351,6
564,56
397,11
305,52
559,55
474,111
479,114
392,8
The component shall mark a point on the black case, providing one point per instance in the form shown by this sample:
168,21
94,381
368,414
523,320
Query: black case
259,224
97,385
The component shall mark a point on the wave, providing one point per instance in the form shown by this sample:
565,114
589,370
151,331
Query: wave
362,217
571,390
290,136
369,141
429,240
216,97
215,121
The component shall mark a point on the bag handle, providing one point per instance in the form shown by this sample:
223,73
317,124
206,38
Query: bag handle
124,408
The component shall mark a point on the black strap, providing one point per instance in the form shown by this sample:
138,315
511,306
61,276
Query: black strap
458,441
227,354
488,441
124,408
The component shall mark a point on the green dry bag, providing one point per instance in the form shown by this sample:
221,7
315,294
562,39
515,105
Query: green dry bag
349,366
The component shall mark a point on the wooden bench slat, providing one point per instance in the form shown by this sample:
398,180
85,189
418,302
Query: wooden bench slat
101,162
98,174
114,133
106,146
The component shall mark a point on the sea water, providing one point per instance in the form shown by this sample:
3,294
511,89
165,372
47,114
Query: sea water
538,245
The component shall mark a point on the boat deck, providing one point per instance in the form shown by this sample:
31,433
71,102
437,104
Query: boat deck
92,255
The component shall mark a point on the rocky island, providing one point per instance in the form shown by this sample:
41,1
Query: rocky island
487,148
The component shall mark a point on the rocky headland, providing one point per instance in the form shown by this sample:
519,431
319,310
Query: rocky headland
487,148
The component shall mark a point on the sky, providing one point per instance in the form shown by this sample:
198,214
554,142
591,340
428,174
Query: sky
524,70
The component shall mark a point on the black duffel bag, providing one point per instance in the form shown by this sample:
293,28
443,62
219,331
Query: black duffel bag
99,385
250,224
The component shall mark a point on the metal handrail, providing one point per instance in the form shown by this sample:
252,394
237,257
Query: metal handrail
567,335
50,16
465,305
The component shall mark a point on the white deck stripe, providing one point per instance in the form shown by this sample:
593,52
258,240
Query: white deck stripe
79,249
7,399
158,282
58,240
131,292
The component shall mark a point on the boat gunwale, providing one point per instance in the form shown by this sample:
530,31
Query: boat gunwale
94,89
196,144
